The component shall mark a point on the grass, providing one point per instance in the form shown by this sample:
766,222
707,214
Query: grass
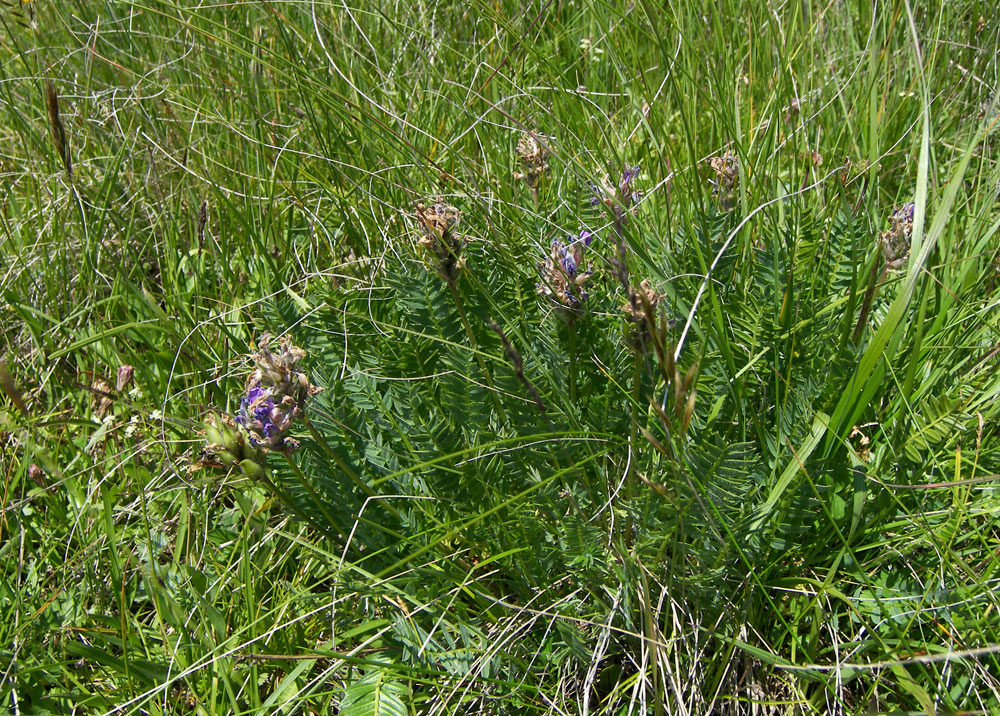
778,495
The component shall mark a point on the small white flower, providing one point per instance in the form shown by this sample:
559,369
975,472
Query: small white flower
132,427
156,415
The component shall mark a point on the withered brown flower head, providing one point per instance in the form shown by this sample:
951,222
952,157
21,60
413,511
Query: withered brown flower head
641,312
896,239
534,157
727,178
440,242
124,377
101,392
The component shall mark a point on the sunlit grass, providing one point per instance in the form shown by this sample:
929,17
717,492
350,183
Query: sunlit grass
747,464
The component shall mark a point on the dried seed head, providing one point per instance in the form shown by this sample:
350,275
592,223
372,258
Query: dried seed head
794,107
124,378
535,158
844,173
102,396
727,178
439,241
36,475
641,313
814,159
896,239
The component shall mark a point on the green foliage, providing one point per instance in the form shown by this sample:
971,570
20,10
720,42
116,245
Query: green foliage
779,495
376,693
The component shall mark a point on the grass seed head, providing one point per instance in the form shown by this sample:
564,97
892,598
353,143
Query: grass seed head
56,128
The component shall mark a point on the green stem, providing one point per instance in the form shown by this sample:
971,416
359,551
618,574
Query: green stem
633,437
317,498
572,363
289,503
321,503
479,358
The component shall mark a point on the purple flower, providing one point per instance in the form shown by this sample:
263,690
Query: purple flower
562,278
566,259
256,410
275,396
598,194
627,176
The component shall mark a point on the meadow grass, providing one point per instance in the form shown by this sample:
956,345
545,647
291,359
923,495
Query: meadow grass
763,481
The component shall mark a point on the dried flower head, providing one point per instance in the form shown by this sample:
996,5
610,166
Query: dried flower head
563,276
535,158
442,245
276,392
844,173
794,107
103,396
37,475
124,377
727,178
814,159
896,239
641,313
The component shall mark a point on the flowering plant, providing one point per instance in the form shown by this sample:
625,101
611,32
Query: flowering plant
563,279
275,395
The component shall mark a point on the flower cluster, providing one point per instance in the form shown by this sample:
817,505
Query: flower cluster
727,178
442,245
641,312
620,198
275,395
563,277
896,239
535,158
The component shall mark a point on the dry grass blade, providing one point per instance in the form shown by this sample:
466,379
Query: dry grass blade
8,387
515,359
56,126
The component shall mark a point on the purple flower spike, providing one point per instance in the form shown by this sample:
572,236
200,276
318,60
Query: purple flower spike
567,261
628,175
563,275
275,396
